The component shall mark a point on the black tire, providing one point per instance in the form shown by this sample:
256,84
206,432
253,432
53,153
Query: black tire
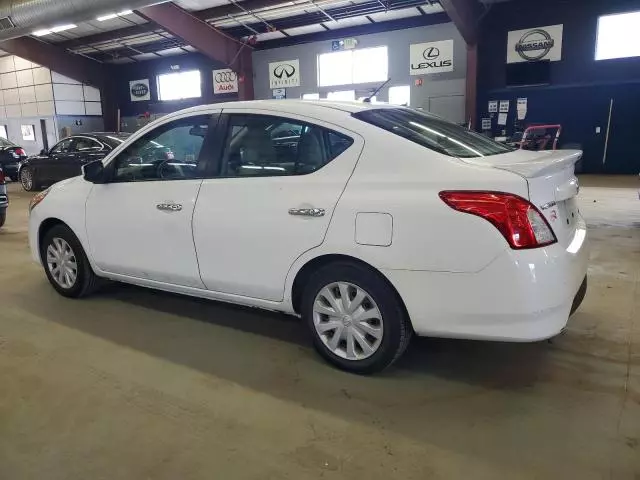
86,281
397,331
26,185
3,216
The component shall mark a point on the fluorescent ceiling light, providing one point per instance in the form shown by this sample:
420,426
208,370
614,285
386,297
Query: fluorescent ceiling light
41,33
107,17
111,16
62,28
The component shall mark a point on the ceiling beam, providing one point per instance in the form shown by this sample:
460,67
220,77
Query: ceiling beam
465,14
215,12
207,39
58,59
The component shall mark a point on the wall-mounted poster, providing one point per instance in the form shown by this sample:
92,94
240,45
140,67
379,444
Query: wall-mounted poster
28,133
139,90
493,106
504,106
433,57
279,93
284,74
535,44
225,81
486,124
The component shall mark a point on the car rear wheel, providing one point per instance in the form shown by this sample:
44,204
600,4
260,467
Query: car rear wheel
27,179
356,319
66,263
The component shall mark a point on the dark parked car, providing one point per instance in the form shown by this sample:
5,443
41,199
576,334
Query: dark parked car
66,158
10,157
4,199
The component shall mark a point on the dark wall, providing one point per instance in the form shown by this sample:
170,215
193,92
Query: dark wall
151,68
581,88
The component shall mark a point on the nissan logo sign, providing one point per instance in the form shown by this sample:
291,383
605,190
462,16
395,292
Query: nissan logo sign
285,70
225,77
139,90
535,45
431,53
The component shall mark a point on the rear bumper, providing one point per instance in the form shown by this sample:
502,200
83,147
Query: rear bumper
10,169
524,295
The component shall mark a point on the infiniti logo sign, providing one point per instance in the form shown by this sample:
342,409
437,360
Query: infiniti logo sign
284,74
285,70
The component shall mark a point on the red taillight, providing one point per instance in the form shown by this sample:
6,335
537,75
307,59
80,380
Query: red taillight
2,179
520,222
21,152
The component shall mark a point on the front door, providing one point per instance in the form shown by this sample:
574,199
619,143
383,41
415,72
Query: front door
139,223
279,181
83,150
52,169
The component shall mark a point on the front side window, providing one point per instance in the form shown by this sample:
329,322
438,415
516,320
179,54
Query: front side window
432,132
170,152
262,145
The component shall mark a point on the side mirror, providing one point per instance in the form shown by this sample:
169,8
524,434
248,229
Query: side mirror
94,172
43,152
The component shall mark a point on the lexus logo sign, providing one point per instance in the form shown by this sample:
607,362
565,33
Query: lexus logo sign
428,58
225,81
284,74
139,90
535,44
431,53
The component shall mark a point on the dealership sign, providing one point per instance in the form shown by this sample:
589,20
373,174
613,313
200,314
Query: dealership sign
535,44
284,74
225,81
433,57
139,90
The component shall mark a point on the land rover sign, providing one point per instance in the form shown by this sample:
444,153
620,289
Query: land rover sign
139,90
535,44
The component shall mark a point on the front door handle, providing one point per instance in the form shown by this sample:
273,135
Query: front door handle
169,207
307,212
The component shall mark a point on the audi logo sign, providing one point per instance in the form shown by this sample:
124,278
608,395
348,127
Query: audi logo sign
535,44
225,81
284,74
139,90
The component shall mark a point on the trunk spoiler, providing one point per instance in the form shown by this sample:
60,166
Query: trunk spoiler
531,165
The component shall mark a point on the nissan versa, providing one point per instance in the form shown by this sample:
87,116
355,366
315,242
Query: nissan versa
371,222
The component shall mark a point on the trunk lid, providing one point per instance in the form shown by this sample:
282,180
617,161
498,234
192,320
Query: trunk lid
553,186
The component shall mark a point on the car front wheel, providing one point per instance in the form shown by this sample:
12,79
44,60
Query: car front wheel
66,264
357,321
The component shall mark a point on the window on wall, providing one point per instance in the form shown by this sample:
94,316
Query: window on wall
353,66
346,95
400,95
311,96
179,85
618,36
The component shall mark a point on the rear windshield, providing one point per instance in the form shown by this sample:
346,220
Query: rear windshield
6,143
433,132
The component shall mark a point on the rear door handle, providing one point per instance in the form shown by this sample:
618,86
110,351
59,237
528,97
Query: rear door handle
169,207
307,212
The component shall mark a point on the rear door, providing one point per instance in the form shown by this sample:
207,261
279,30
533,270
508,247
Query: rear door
53,168
272,199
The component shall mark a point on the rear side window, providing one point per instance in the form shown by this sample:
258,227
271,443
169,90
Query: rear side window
433,132
265,145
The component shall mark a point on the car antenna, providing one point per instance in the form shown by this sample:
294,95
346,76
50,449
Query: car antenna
375,92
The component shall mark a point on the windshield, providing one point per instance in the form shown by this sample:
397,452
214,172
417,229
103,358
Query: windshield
432,132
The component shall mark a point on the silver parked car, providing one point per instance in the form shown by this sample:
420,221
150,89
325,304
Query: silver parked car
4,199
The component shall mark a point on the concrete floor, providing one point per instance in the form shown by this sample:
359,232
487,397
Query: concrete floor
134,384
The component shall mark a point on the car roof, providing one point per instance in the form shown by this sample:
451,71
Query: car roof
293,106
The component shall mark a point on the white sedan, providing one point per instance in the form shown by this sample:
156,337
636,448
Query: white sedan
371,222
